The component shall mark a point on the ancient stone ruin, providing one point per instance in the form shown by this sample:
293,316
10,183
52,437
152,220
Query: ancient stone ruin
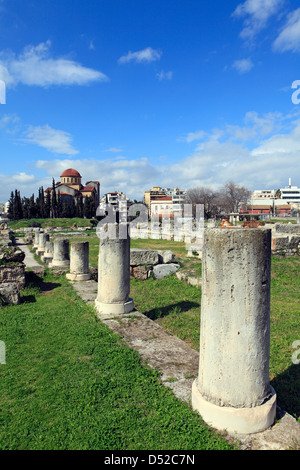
114,271
12,274
79,262
6,235
232,391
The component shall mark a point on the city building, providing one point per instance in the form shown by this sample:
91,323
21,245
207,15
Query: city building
70,187
162,207
116,200
280,202
177,196
290,194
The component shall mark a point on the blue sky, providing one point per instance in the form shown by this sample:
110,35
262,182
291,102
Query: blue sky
136,93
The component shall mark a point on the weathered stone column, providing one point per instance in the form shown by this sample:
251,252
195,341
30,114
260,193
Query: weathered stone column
48,253
36,239
79,262
61,257
43,238
233,390
114,270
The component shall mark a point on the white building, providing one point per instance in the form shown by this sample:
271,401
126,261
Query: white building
115,200
288,198
162,207
290,194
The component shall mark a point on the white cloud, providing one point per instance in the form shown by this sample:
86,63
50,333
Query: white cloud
130,176
23,182
242,65
256,14
191,136
53,140
164,75
9,123
92,46
23,178
114,149
263,152
35,66
145,55
289,38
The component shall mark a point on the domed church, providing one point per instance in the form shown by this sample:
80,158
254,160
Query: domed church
70,186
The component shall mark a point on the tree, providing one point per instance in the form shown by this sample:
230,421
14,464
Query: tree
48,204
40,204
11,207
88,207
79,206
59,205
17,208
232,196
205,196
53,211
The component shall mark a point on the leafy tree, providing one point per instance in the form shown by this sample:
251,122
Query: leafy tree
232,196
205,196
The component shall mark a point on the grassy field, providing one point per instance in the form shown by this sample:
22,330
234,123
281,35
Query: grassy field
176,306
70,383
44,223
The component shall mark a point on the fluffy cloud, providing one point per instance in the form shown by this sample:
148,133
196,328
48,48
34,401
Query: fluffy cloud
261,153
35,66
164,75
130,176
145,55
53,140
242,65
289,38
256,14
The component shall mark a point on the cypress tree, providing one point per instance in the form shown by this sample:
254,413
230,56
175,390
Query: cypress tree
48,205
53,201
11,207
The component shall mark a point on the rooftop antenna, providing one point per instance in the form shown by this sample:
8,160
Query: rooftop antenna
290,182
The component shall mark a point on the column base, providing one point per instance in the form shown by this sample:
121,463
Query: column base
115,309
78,277
59,264
235,420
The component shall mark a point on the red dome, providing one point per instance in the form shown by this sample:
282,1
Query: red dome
70,172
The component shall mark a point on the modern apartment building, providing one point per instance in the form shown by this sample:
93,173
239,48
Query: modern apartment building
177,197
290,194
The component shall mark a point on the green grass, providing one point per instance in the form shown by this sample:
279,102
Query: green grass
70,383
176,307
178,248
64,223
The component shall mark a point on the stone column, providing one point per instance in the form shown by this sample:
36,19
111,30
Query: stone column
36,239
79,262
48,253
114,270
61,257
43,238
233,390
